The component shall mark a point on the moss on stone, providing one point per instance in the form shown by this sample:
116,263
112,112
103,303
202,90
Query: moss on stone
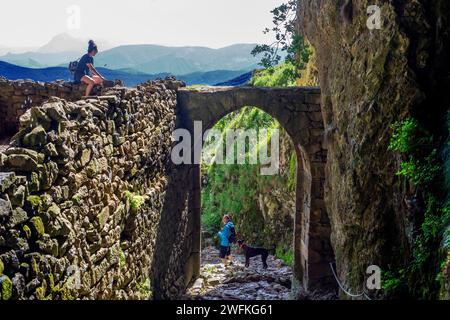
56,290
135,201
24,266
37,137
103,217
144,288
34,201
2,267
41,157
6,287
76,199
40,292
122,258
67,294
38,226
54,210
27,231
92,168
35,184
35,266
51,281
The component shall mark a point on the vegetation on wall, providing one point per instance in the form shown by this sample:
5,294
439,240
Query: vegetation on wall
235,188
425,164
280,76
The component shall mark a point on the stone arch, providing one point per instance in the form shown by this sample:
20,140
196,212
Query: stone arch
298,111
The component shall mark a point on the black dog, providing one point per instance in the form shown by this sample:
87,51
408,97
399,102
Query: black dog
253,252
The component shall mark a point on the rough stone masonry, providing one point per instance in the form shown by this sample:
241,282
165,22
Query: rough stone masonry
16,97
84,200
91,206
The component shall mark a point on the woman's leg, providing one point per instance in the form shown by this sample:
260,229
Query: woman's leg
90,84
97,79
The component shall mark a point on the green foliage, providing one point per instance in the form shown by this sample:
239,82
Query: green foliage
233,189
283,75
210,269
411,139
287,255
393,282
404,134
292,181
422,166
135,201
287,40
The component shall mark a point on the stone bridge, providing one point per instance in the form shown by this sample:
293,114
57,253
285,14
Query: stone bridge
298,111
88,185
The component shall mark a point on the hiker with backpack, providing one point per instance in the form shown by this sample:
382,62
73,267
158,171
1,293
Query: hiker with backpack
84,70
227,237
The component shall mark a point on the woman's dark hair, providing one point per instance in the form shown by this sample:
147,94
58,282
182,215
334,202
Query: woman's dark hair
92,46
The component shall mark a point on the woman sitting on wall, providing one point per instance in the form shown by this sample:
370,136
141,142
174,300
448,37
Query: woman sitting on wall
86,71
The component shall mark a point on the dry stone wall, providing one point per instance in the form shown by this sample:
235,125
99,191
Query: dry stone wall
88,195
16,97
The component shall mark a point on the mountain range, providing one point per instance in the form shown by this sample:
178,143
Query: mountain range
14,72
146,58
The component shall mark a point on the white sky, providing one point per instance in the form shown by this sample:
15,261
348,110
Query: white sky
212,23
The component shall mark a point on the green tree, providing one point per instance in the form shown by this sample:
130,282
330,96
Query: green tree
287,41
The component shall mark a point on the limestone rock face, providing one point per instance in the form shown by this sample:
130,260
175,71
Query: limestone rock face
369,80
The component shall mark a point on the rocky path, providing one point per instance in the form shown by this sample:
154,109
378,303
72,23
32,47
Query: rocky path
236,282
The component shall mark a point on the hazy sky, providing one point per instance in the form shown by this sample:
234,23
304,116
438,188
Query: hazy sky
213,23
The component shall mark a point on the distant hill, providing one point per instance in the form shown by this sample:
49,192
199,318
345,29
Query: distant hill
39,59
240,80
209,78
130,77
5,50
63,43
14,72
179,60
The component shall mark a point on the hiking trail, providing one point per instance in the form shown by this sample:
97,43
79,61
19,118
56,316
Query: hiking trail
235,282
